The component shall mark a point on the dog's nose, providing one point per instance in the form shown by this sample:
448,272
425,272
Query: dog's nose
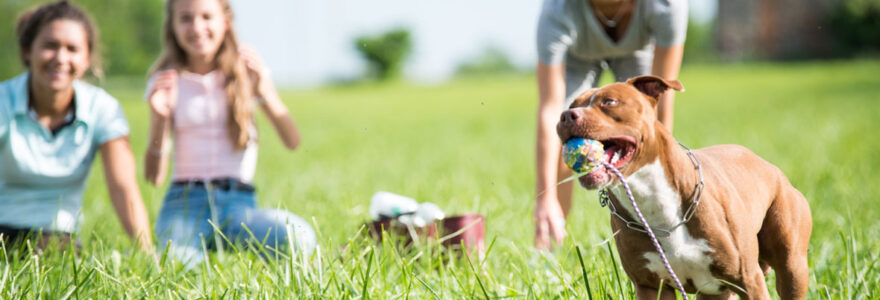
570,117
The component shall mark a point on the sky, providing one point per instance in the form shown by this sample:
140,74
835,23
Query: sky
311,42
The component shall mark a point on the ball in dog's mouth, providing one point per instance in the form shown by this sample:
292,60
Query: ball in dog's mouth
583,155
616,151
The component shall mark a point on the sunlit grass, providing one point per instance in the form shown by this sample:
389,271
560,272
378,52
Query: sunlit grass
468,146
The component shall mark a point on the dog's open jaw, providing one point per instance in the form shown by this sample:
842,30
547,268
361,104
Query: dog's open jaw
619,151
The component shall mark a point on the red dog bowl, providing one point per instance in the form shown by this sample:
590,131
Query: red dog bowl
467,229
405,233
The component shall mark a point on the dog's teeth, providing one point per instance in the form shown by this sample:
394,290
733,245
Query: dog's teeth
615,157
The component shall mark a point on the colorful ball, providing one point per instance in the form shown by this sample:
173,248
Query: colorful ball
582,155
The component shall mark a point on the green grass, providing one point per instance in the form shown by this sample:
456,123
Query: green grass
468,146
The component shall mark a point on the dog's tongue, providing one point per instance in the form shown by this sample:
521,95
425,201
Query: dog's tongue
609,153
596,175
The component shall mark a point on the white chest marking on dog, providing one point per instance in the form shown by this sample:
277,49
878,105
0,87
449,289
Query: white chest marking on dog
661,206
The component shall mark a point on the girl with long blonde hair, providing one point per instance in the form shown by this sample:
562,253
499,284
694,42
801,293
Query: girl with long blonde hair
202,91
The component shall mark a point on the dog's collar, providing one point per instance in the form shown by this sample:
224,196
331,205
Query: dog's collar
604,201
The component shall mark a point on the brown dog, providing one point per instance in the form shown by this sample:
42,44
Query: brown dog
749,217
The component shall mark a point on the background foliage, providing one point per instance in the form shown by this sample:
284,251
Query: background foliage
699,47
492,60
385,53
856,25
129,32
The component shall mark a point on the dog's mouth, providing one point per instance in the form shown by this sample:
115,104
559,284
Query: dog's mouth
619,151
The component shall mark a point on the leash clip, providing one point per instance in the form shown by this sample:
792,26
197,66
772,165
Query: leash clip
603,198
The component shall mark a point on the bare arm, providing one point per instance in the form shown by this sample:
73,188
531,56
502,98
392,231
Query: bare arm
280,117
549,218
163,99
119,172
667,63
551,96
272,105
157,157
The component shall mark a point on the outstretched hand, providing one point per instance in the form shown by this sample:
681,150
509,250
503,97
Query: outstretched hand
549,222
163,98
259,72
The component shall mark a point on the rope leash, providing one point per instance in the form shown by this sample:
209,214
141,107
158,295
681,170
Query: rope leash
647,228
583,155
605,201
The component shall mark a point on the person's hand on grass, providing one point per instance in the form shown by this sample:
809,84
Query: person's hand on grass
549,222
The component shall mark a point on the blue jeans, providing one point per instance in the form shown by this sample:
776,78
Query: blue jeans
191,212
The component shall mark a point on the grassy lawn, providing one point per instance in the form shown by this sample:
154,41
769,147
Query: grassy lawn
468,146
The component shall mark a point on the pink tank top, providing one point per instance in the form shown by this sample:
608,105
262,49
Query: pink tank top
202,146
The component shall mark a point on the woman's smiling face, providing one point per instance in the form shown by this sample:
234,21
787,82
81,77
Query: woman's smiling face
199,27
59,55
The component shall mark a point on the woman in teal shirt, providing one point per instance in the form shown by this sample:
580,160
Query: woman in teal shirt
51,127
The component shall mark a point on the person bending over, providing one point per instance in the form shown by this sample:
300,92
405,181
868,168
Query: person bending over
577,40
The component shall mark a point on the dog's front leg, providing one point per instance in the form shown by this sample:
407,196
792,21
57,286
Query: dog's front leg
755,287
647,293
725,295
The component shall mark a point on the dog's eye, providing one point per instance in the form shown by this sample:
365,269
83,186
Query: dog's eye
609,102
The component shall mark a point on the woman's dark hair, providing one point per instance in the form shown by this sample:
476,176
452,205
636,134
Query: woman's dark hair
31,22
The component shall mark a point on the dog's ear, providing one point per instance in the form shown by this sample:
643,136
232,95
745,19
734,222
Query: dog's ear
654,86
583,98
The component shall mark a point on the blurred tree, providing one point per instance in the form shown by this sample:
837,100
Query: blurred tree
491,61
856,26
385,53
129,32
